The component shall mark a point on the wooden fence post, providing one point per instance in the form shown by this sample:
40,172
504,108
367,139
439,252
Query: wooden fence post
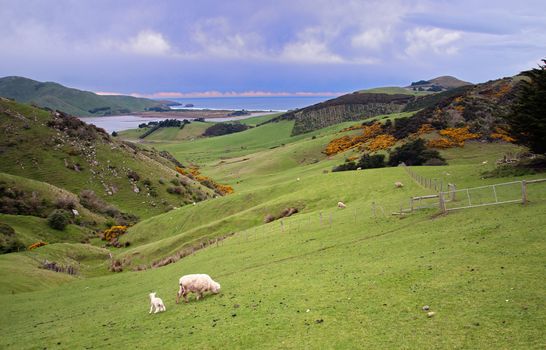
452,189
282,226
524,192
411,204
442,202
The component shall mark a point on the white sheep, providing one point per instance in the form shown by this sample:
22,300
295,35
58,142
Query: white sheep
341,205
398,184
156,303
196,283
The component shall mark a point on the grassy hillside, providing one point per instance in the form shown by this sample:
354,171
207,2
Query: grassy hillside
324,278
71,155
394,90
357,283
68,100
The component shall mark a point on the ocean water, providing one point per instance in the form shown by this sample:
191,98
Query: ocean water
277,103
125,122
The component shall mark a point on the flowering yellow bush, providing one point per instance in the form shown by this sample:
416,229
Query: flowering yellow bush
442,142
224,189
113,232
371,131
453,137
380,142
501,134
340,144
36,245
344,143
180,170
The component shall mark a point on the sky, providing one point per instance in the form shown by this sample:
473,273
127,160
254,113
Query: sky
165,48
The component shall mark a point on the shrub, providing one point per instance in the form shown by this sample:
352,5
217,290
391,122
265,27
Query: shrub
58,219
381,142
345,166
8,240
224,129
36,245
66,203
113,232
413,153
91,201
369,162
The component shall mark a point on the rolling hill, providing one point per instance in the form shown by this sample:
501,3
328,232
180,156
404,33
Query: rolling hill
324,277
68,154
72,101
484,103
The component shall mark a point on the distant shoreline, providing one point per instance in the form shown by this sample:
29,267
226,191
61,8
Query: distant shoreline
188,113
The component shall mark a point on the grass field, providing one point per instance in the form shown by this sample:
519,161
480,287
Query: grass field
391,90
327,278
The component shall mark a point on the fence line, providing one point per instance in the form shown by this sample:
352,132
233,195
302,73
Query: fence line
435,184
446,201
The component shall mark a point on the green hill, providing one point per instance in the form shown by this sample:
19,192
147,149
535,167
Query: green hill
64,152
72,101
366,276
325,278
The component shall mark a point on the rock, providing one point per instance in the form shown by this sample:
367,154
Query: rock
431,314
426,308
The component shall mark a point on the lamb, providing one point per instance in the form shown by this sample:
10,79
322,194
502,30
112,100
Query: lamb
196,283
398,184
156,303
341,205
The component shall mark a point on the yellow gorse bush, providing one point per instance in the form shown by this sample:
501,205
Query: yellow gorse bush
36,245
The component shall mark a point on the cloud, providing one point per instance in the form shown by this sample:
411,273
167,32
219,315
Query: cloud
216,37
146,42
311,51
431,40
373,38
311,46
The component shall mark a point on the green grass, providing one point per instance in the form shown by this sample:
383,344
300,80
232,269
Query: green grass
254,121
392,90
33,153
30,229
352,280
367,283
24,274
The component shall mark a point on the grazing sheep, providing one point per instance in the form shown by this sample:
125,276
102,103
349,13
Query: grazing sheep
341,205
398,184
156,303
484,162
196,283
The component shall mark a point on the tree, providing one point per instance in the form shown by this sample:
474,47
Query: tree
528,119
58,219
413,153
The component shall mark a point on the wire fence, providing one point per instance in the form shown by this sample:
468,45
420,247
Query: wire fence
435,184
508,192
378,213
